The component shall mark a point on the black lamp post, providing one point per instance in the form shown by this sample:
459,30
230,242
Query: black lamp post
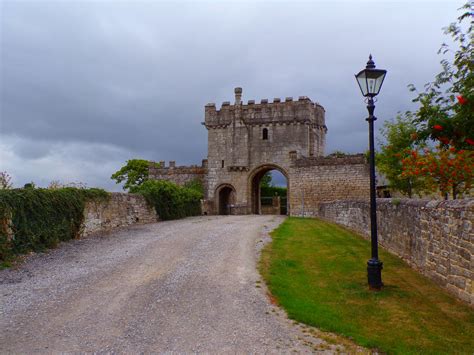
370,81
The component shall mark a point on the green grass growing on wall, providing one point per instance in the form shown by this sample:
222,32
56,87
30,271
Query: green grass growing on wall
317,273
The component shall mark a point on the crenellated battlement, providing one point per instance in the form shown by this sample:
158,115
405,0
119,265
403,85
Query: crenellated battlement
161,168
289,111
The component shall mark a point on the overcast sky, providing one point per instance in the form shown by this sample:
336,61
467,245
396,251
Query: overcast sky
86,85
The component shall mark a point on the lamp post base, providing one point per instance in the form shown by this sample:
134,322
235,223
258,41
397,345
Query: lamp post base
374,274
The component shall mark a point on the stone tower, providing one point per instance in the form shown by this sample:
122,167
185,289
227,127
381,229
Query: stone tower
262,136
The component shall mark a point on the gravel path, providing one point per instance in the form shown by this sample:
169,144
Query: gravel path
178,286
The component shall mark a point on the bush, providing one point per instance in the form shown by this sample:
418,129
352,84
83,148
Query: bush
170,200
270,191
41,218
196,185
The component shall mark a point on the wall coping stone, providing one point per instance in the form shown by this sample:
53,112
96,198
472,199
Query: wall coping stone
331,160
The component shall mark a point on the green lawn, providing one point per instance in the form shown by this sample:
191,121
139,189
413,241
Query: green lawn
317,273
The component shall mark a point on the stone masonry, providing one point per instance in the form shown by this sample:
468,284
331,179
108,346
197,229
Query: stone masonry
247,140
435,237
322,179
120,210
180,175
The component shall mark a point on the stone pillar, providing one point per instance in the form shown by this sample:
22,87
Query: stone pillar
238,96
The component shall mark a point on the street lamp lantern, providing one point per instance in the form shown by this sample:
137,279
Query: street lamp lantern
370,81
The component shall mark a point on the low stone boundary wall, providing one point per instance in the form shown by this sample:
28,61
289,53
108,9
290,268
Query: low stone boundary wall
435,237
120,210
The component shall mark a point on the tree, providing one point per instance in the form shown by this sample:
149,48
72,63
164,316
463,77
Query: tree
399,135
445,115
5,181
266,180
134,173
446,170
446,112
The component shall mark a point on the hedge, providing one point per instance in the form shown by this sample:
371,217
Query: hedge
170,200
41,218
270,191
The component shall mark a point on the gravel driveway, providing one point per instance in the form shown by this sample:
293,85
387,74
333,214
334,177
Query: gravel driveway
187,286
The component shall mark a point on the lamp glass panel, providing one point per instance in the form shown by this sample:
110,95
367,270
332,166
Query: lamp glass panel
374,80
379,82
371,84
361,80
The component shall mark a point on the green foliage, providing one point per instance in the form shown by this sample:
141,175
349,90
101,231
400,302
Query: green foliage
399,136
266,180
338,154
41,218
317,272
134,173
5,181
270,191
446,112
196,185
170,200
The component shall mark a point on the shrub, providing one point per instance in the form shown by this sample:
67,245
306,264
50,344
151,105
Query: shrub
196,185
170,200
396,202
41,218
270,191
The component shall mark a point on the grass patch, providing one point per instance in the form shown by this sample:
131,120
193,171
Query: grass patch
317,273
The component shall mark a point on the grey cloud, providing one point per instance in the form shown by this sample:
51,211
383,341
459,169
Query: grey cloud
135,76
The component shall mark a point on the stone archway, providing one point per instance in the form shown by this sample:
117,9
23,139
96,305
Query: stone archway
254,186
225,195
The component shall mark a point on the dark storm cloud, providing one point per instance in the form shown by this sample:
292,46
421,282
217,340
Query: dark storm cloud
89,79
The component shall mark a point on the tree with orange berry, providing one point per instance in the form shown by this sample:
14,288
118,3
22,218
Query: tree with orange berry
449,171
445,116
400,135
446,111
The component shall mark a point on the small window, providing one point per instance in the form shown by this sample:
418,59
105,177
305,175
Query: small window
265,134
222,164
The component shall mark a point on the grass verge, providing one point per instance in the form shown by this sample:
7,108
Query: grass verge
317,273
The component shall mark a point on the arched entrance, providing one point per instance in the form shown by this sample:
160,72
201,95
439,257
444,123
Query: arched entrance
225,199
255,197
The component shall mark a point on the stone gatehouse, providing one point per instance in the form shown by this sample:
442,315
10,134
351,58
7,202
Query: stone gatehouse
245,141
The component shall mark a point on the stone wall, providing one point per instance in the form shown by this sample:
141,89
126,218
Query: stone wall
179,175
435,237
120,210
315,180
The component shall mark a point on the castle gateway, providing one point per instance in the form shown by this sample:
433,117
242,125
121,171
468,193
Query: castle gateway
245,141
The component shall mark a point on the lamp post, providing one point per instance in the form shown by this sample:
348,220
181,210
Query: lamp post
370,81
